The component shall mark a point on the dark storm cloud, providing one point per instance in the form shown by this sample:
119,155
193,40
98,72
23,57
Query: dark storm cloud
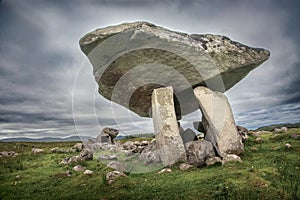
40,59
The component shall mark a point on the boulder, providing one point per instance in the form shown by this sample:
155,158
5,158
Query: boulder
156,53
112,176
197,152
168,139
221,130
6,154
129,145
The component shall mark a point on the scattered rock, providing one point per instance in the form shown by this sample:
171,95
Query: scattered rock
112,176
168,139
144,143
165,170
150,154
288,146
5,154
213,160
129,145
37,151
108,157
86,154
221,130
61,175
58,150
73,159
185,166
258,140
198,152
258,133
280,130
116,165
230,158
88,172
78,147
78,168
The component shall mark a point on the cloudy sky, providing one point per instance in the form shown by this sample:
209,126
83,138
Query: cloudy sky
46,82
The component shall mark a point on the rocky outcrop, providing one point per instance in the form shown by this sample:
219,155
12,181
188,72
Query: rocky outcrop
220,127
122,53
168,139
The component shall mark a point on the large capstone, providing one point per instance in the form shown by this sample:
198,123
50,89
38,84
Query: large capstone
167,137
140,57
219,124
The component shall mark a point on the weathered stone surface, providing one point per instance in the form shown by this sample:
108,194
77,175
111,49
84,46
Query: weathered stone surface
78,168
221,130
151,154
88,172
243,132
197,152
86,154
165,171
231,158
155,54
280,130
168,139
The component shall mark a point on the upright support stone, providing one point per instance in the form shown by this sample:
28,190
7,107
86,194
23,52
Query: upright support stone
219,123
168,139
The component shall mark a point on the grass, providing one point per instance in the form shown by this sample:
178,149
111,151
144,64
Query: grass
269,171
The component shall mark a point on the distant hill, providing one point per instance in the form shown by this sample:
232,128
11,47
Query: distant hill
271,127
47,139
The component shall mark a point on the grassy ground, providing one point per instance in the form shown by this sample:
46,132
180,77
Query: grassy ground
269,171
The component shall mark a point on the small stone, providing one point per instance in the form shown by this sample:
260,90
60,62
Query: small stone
86,154
212,161
112,176
165,170
37,151
116,165
287,145
88,172
108,157
78,168
230,158
18,177
258,140
78,147
144,143
185,166
136,143
295,136
129,145
253,148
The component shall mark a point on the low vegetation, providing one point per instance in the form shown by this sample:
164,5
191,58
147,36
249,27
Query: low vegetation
270,170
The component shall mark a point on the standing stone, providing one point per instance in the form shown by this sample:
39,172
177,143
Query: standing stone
168,139
219,123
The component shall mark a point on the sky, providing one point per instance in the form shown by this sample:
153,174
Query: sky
47,87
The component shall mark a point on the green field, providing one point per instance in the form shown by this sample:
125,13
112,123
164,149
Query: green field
269,170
